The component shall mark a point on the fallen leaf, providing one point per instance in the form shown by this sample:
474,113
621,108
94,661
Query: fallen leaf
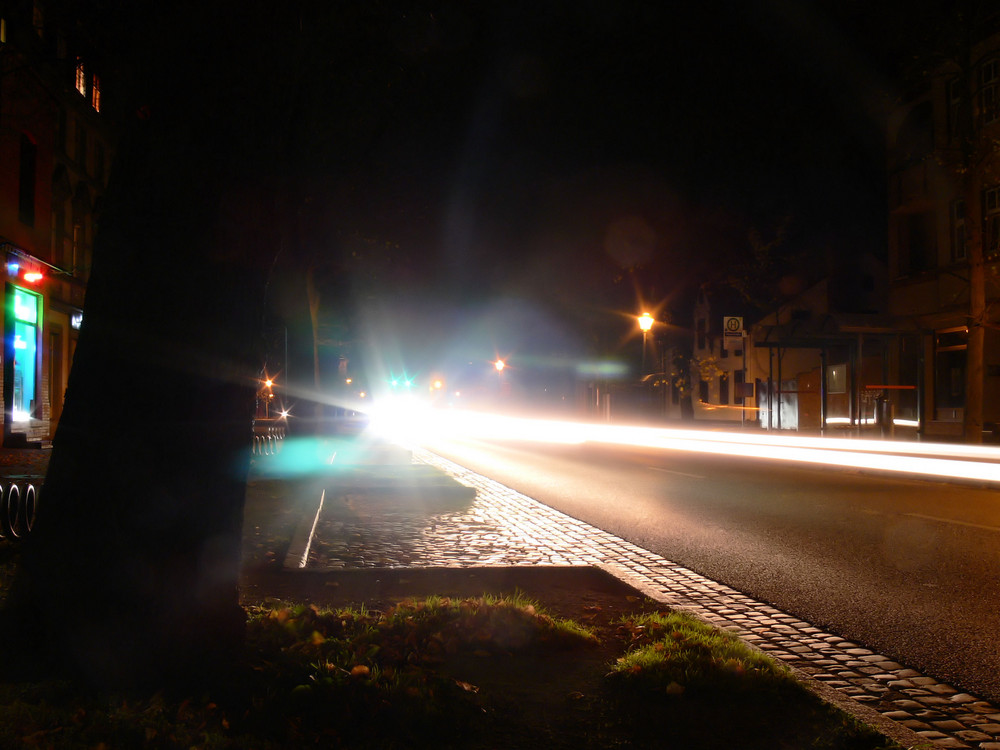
360,670
674,688
467,687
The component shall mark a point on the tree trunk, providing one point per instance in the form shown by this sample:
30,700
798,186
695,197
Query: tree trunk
130,577
975,350
313,296
977,153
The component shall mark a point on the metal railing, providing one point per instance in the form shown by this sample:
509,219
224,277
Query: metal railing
18,507
267,439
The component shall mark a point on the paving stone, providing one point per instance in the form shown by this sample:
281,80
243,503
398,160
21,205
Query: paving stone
504,527
949,725
940,689
933,734
971,735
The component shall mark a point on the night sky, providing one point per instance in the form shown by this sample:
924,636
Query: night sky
534,160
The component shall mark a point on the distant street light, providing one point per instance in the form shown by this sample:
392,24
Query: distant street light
645,323
499,364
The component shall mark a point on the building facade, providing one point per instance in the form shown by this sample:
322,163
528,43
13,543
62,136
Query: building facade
55,152
944,170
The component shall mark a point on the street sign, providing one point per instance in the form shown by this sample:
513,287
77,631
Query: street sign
732,331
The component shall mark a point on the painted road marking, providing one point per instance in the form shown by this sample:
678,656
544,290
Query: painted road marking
984,527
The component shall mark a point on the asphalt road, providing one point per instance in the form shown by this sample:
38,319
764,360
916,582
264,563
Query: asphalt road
907,567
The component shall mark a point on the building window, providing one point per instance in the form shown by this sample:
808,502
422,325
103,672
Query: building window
81,78
26,188
989,91
95,93
955,95
915,138
58,232
836,378
916,242
703,391
723,389
81,147
62,131
76,256
991,222
958,230
99,159
949,367
38,19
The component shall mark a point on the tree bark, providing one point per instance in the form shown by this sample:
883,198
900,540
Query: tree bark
975,349
130,577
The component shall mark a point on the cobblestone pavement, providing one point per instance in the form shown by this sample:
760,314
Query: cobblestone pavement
503,527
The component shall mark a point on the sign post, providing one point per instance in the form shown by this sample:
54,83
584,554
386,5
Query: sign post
732,330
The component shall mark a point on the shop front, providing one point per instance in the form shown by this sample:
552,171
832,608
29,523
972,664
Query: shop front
21,357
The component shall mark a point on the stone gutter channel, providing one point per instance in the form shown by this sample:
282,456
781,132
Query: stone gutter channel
488,524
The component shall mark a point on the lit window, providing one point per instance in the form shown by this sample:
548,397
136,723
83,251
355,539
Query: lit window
81,77
95,93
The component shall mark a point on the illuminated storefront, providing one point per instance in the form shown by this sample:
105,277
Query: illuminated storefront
24,322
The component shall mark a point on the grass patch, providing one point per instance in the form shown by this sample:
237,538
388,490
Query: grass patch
478,673
673,653
683,670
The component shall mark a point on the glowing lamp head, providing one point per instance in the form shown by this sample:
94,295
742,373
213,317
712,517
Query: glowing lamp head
645,322
499,364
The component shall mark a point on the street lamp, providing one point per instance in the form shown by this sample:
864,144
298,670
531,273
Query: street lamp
645,323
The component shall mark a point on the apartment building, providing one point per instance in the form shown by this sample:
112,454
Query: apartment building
944,172
55,153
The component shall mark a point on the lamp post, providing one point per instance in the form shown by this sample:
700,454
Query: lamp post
645,323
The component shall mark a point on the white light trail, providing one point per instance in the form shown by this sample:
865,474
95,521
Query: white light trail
977,463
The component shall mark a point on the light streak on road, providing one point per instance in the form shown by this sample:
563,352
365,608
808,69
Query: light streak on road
415,423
